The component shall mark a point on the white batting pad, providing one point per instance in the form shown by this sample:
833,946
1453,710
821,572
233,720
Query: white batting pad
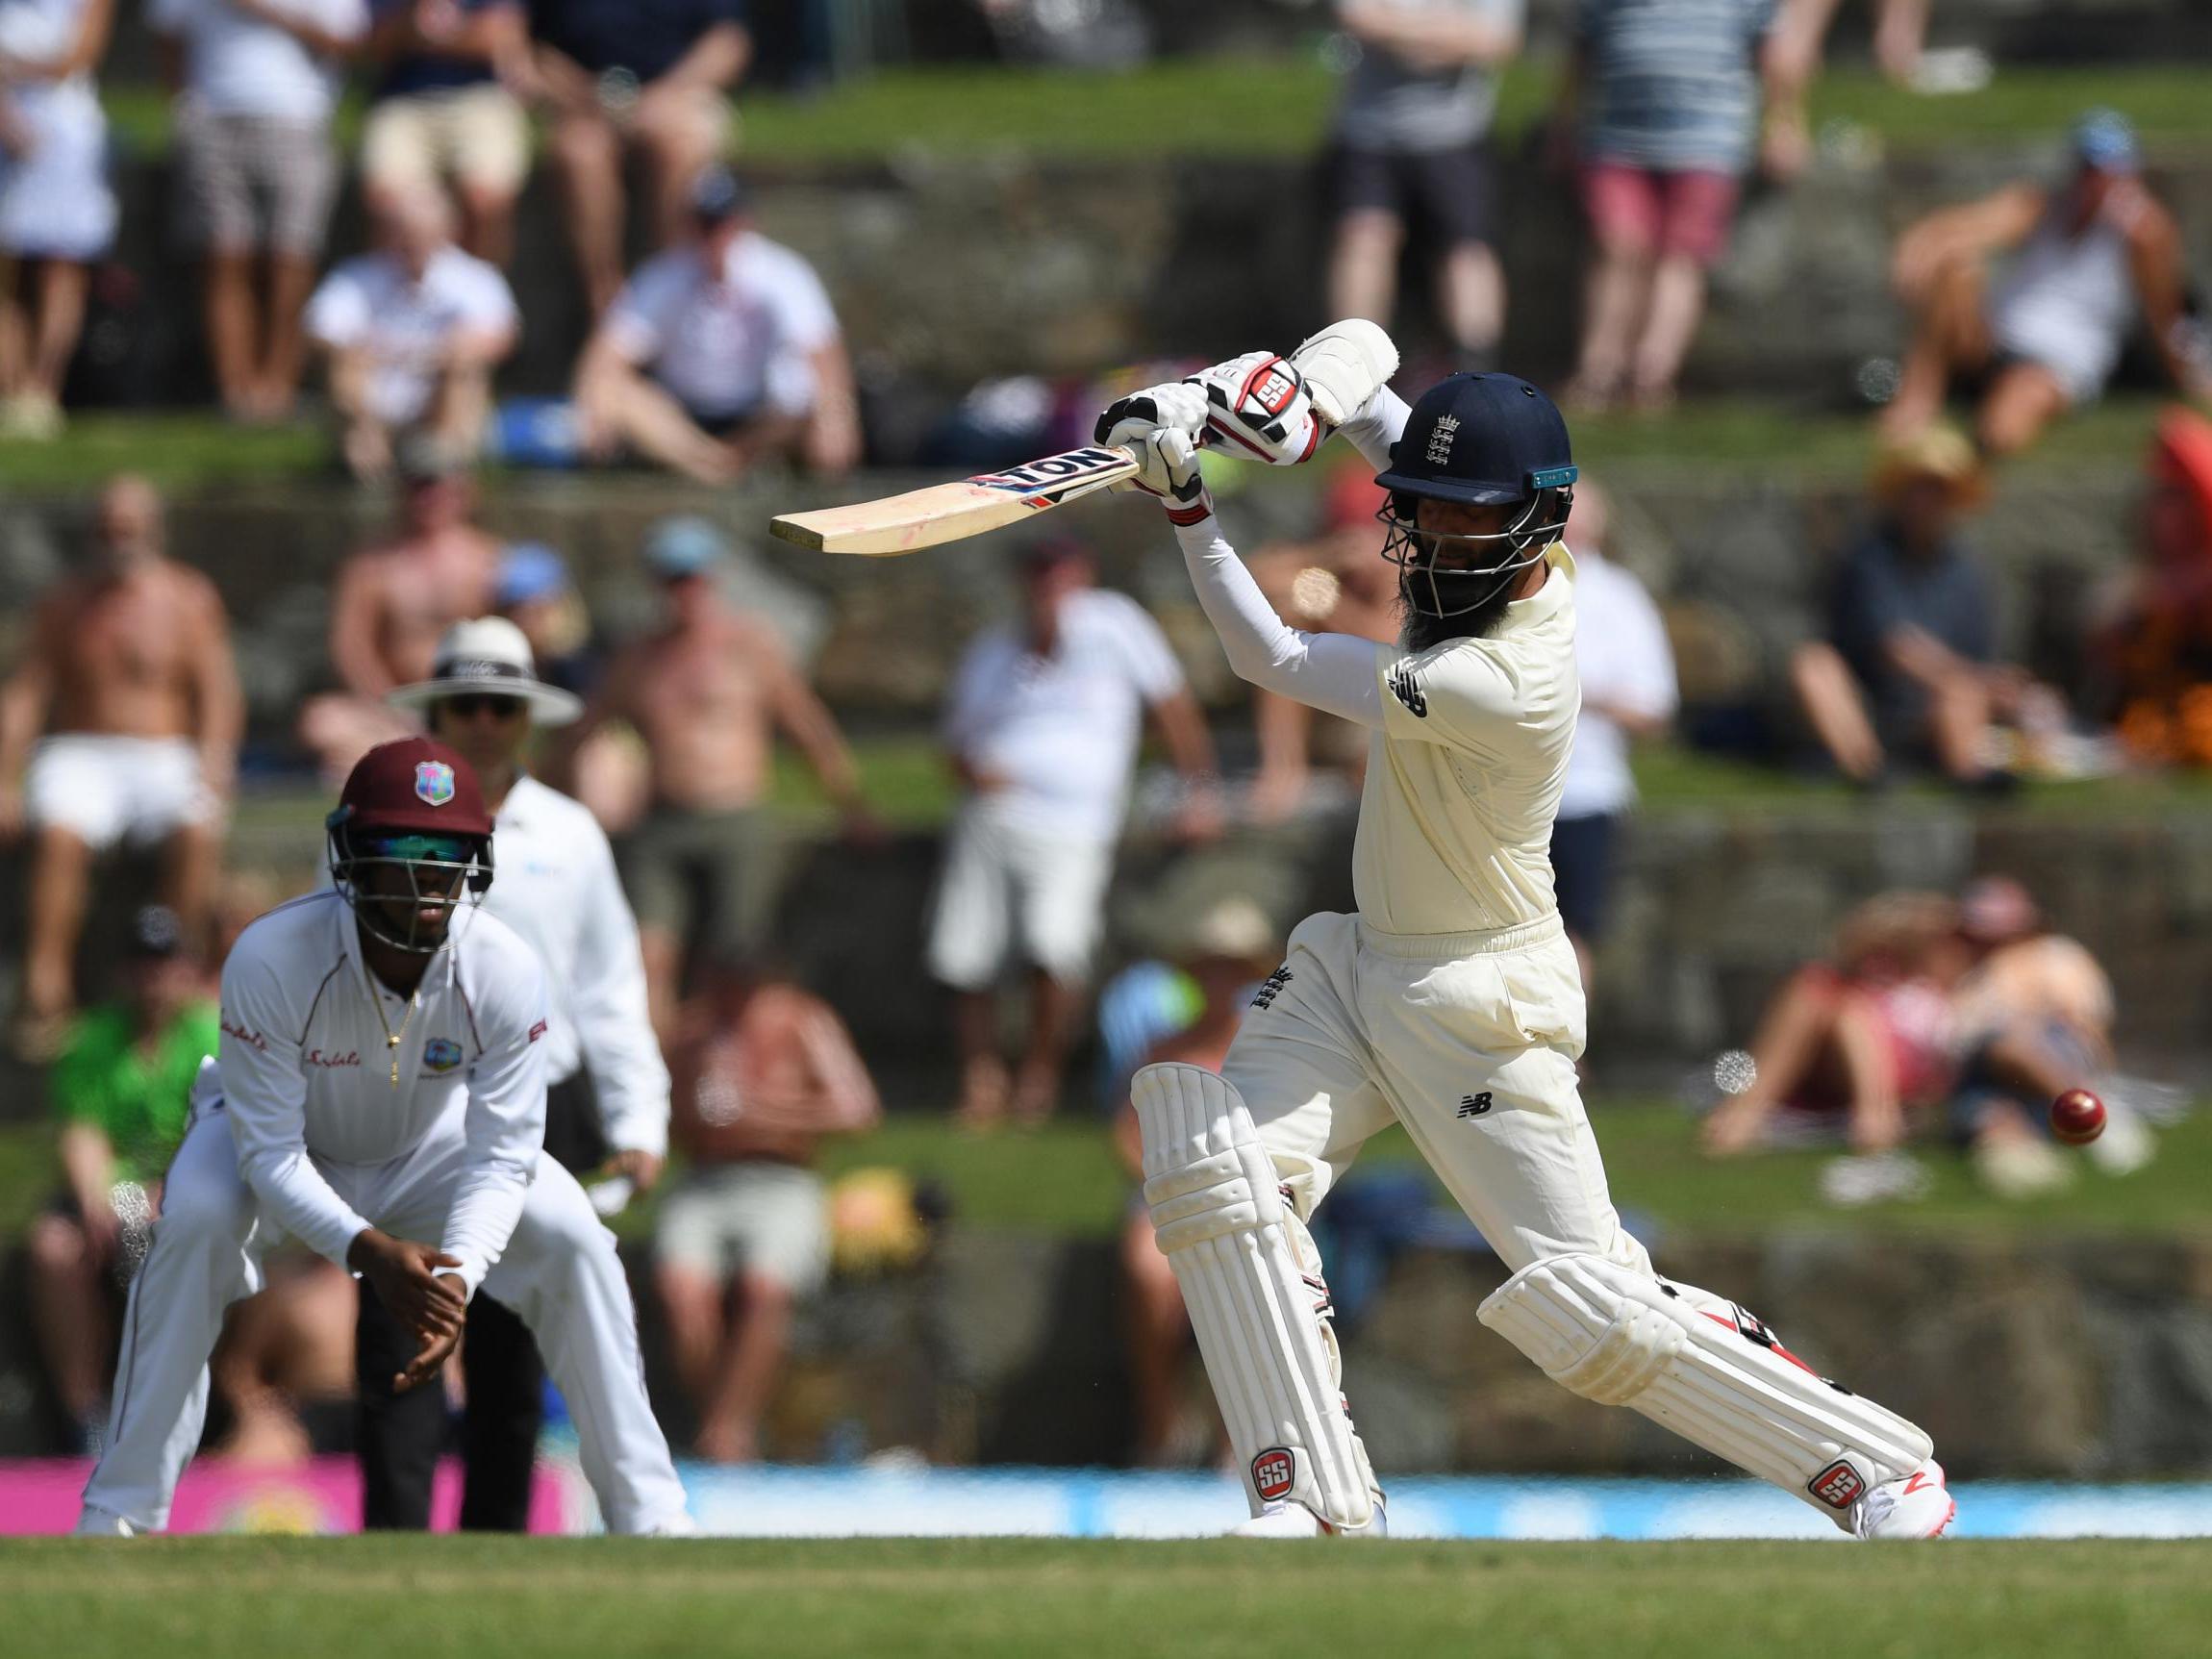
1708,1370
1343,366
1259,1310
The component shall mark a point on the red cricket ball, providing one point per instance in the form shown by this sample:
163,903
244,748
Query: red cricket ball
2077,1117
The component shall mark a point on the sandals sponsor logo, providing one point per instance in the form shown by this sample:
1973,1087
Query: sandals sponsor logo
332,1061
251,1038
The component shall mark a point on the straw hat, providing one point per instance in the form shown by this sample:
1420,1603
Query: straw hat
1941,453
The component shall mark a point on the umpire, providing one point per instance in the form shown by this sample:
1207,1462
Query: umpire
606,1106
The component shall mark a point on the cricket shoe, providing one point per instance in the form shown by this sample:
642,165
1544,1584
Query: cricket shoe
1296,1520
98,1522
1919,1506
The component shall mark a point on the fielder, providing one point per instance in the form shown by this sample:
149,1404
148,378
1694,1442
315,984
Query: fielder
1451,1002
380,1081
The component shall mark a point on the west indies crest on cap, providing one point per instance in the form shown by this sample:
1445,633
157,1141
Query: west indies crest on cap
413,785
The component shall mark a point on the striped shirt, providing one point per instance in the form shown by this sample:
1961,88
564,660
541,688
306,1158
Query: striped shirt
1672,85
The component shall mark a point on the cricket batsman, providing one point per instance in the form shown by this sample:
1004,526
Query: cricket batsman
1450,1001
381,1082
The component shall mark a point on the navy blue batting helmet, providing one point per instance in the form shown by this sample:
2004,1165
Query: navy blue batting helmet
1479,441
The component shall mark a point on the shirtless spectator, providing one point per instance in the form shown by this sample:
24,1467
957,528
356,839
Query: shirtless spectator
1230,948
1859,1048
719,354
618,77
128,714
392,602
765,1073
2034,1017
708,690
2088,260
413,333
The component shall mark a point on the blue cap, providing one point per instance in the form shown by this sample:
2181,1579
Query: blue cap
1482,440
717,194
685,546
2105,139
529,570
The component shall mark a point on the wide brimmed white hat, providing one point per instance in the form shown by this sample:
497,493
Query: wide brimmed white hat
487,657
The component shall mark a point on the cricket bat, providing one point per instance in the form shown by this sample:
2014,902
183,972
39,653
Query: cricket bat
950,511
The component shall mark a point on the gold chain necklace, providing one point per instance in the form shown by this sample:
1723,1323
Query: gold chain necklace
391,1038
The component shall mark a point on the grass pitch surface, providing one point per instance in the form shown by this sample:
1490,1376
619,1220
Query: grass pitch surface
429,1597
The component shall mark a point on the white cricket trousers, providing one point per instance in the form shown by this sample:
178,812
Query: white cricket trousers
559,1274
1470,1041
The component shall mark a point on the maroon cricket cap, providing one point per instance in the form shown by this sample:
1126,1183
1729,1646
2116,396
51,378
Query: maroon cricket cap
415,786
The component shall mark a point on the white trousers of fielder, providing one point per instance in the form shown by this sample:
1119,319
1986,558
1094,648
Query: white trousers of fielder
559,1274
1470,1041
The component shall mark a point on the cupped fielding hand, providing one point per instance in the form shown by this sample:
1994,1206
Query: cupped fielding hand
409,1281
641,1168
428,1361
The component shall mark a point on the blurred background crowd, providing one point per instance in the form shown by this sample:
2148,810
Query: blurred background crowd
329,325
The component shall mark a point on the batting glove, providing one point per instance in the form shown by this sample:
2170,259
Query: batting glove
1162,426
1257,405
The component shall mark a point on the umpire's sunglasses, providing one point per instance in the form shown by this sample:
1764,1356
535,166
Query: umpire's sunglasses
469,704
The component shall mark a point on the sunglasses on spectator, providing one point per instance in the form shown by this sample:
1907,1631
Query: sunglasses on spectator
469,704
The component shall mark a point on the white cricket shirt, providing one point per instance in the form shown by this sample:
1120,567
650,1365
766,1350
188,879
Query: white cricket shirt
306,1072
732,341
555,884
1063,730
406,326
1463,778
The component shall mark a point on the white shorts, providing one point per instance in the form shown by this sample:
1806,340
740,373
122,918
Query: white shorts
1470,1041
1009,888
104,790
55,202
765,1219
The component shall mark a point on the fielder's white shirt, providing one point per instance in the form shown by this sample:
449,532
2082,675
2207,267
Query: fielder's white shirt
1063,730
371,304
236,65
727,342
1622,653
305,1071
555,884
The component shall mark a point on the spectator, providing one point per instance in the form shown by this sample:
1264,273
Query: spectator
1900,31
2154,649
129,677
707,691
394,600
651,76
119,1092
2034,1018
1669,93
1228,949
1339,582
2088,259
413,333
258,81
1855,1049
1411,145
720,354
57,214
607,771
442,110
764,1076
1908,670
1043,724
1628,696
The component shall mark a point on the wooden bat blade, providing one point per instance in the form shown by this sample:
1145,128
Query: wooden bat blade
951,511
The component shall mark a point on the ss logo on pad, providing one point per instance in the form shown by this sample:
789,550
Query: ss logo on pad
1274,1472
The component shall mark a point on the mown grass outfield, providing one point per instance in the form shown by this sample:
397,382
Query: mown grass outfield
474,1598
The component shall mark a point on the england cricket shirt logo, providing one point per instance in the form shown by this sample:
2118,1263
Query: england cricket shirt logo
1440,438
433,781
